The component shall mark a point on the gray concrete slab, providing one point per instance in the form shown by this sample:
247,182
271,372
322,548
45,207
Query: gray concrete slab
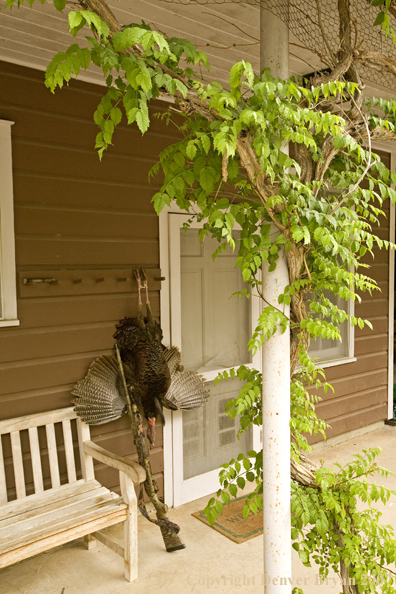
211,563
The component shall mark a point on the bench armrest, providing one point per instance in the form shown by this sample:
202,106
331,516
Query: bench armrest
132,469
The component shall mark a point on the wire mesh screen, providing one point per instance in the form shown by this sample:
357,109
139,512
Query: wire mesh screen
316,25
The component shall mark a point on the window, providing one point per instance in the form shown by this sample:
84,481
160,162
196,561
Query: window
333,352
8,309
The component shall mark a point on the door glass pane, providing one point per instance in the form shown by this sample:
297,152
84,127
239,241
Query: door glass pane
209,435
215,332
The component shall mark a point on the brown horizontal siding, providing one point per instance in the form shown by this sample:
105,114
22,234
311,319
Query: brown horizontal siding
73,212
31,187
33,313
72,223
361,388
47,251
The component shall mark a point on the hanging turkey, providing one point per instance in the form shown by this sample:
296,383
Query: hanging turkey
154,374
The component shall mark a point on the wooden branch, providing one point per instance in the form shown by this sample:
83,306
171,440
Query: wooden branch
169,530
256,176
375,60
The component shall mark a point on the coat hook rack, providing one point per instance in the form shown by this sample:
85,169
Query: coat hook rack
28,281
159,278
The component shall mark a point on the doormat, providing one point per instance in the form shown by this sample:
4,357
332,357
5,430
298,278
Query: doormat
232,524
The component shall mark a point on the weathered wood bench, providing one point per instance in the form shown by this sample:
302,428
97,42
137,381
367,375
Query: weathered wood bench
58,513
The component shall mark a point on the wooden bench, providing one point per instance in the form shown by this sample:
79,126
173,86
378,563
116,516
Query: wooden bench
58,513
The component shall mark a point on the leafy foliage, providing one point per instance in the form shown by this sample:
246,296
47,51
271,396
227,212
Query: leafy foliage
329,528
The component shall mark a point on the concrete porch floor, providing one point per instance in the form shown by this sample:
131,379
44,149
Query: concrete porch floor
210,563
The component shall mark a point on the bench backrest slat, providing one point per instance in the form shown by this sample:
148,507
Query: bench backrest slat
68,440
3,486
36,460
52,455
87,467
52,421
52,416
19,475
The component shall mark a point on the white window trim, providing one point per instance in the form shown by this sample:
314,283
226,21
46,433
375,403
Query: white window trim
8,295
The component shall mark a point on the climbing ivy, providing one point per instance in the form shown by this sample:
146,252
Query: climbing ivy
229,168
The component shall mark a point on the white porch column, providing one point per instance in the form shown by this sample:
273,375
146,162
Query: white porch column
274,53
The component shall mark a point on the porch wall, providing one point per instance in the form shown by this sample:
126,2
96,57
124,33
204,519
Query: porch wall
361,388
73,213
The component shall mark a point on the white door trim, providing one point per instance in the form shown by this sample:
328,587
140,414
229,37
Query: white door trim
391,294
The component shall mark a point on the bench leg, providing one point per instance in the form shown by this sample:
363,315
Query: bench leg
130,529
90,542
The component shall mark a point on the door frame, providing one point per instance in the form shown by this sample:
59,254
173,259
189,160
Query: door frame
389,148
176,490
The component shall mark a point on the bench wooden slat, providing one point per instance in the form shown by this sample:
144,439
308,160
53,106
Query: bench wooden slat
3,485
55,540
47,517
37,420
52,455
13,508
36,460
87,467
68,441
22,533
62,503
17,461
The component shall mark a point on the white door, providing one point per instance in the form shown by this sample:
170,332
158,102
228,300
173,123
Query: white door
212,332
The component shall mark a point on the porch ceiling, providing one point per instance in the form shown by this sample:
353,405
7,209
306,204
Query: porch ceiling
31,36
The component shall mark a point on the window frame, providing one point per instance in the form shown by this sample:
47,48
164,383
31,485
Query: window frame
8,295
348,357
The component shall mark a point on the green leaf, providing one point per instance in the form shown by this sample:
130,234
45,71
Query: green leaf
233,490
207,179
380,18
116,115
205,143
59,4
75,20
142,120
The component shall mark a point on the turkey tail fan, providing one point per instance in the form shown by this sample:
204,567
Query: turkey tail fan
187,391
97,399
173,359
